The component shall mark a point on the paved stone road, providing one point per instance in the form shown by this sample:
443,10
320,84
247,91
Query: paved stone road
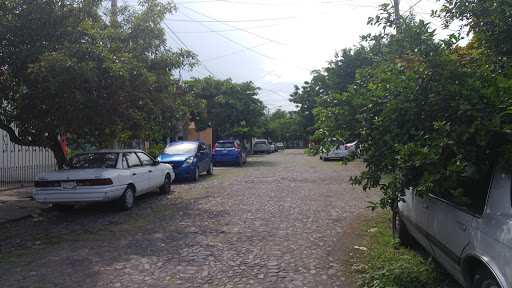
276,222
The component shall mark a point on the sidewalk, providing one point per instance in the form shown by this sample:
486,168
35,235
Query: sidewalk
17,203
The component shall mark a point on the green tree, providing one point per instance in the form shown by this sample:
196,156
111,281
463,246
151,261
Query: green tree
66,68
423,112
231,109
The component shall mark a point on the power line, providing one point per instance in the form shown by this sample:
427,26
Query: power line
227,25
227,21
202,64
230,54
227,30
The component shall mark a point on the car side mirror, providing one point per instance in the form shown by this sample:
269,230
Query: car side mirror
156,163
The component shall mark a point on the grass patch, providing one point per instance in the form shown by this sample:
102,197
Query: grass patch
380,261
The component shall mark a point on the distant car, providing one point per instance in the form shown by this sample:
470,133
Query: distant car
188,159
341,151
280,146
272,148
229,151
470,235
99,176
261,146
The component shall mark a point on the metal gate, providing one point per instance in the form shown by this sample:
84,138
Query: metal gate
19,165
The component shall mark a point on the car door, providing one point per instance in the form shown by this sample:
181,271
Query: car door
452,216
140,173
415,212
155,175
203,157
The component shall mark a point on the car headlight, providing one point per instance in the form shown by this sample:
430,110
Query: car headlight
188,162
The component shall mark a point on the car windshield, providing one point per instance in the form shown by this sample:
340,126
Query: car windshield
225,145
92,160
180,149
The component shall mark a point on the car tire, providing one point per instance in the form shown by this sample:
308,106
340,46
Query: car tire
166,186
240,161
127,199
210,169
400,232
195,177
214,164
484,279
325,159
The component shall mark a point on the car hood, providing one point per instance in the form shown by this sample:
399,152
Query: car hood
74,174
173,158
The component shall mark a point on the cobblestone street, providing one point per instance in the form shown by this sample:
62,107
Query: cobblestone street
276,222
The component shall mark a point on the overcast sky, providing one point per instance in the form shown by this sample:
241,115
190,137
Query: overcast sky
273,43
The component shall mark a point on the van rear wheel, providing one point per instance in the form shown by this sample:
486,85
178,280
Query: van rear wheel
400,232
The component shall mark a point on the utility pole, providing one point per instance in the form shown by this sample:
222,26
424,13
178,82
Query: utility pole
397,16
114,8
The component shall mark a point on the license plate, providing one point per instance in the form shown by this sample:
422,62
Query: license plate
224,151
68,185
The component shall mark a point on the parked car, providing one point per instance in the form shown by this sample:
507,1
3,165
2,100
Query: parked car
261,146
341,151
470,235
272,148
229,151
188,159
98,176
280,146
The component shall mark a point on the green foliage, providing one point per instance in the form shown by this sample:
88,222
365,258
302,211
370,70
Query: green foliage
421,110
386,264
155,150
283,126
231,109
92,76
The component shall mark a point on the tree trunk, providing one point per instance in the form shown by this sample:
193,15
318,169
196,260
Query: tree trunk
59,155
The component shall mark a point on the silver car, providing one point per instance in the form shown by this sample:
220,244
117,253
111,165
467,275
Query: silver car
339,152
261,146
470,235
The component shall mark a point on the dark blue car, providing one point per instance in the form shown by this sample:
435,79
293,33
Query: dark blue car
229,151
188,159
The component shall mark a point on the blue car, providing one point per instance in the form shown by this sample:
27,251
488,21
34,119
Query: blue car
229,151
188,159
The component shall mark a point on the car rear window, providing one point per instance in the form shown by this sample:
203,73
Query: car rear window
180,149
92,160
226,145
260,142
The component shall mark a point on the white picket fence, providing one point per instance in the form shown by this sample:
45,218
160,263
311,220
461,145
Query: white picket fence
19,165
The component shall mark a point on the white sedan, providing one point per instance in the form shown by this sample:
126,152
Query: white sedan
106,175
341,151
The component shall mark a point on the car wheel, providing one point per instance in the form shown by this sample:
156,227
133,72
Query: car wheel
166,186
196,174
210,169
399,230
484,279
126,200
325,159
240,161
214,164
